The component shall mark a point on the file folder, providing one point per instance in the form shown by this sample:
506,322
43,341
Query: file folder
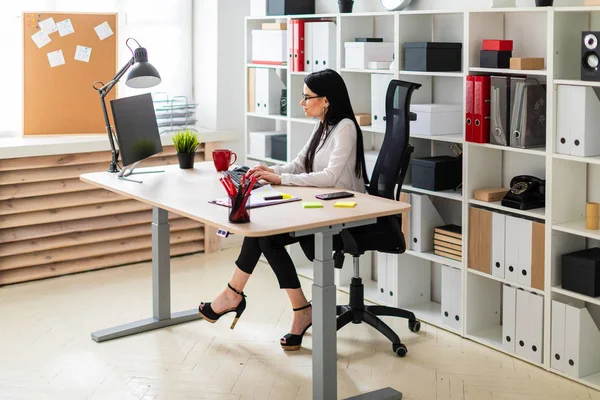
500,110
424,218
522,342
582,342
298,36
498,247
481,109
509,310
536,327
323,45
578,119
558,359
528,113
470,94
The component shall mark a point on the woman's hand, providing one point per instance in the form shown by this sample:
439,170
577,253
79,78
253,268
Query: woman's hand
270,177
257,169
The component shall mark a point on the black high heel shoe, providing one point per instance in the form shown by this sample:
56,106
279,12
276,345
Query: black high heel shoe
294,342
212,317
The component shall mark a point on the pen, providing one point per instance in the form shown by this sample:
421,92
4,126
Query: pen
274,197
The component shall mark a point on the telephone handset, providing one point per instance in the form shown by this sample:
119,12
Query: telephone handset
526,192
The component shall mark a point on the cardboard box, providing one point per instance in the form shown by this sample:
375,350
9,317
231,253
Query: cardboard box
363,119
526,63
591,2
274,26
489,195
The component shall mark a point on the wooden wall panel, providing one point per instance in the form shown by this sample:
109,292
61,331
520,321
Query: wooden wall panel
52,223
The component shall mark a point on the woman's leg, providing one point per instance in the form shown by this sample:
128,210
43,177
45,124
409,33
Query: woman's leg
245,264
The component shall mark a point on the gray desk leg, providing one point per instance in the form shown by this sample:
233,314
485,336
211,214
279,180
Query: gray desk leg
161,287
324,319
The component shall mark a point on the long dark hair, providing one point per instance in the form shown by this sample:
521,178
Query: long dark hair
330,84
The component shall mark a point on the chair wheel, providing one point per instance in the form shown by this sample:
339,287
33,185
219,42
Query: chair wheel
399,349
414,326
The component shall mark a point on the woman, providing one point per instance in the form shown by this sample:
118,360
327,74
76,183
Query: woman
333,157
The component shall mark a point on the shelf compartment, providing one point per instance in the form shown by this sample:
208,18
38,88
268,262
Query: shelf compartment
492,338
456,138
537,151
577,228
507,71
539,213
432,73
367,71
266,159
447,194
589,160
574,295
269,116
515,284
431,256
575,82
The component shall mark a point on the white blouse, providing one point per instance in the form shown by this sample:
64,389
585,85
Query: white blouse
333,164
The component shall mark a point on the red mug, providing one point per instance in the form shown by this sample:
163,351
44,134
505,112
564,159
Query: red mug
222,159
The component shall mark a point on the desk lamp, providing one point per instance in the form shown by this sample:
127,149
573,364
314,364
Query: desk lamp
142,75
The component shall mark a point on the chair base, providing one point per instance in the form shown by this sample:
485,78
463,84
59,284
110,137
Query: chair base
356,312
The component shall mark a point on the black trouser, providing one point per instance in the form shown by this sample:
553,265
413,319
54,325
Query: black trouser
273,247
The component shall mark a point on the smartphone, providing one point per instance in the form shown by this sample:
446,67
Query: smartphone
332,196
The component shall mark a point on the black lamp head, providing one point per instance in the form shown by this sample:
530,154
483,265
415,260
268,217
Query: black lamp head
142,74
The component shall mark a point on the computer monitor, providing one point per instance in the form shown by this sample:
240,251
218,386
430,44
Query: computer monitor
136,129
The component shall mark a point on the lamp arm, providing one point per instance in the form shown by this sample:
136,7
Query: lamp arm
103,91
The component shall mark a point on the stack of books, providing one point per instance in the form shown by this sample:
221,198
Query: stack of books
447,242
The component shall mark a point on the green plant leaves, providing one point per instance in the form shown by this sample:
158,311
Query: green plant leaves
185,141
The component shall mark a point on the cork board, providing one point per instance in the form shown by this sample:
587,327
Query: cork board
60,99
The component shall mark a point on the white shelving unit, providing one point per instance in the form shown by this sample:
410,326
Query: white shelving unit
553,33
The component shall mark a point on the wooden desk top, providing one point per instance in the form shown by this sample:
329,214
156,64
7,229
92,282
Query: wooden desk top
187,192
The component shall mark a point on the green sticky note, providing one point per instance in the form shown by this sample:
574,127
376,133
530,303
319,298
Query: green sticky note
312,204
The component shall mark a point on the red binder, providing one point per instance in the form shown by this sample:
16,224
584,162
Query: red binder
469,113
298,46
481,109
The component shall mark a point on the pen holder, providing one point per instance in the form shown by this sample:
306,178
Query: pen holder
592,216
238,213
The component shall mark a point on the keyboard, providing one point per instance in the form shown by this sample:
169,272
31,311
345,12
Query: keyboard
236,177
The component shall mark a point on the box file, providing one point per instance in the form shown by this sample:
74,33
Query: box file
578,119
359,54
480,239
509,317
582,342
320,44
269,47
498,244
528,113
524,252
424,218
436,119
379,86
558,359
267,91
451,304
500,110
529,325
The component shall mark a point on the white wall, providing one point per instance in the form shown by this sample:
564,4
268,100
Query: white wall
164,28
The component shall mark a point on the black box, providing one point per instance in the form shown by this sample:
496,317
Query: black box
433,56
437,173
581,272
290,7
279,147
494,59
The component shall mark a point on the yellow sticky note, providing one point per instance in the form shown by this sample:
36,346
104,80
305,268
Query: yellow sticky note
312,204
345,204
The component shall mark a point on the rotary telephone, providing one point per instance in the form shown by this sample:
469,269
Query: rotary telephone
526,192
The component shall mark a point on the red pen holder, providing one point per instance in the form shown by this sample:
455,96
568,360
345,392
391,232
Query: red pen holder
239,213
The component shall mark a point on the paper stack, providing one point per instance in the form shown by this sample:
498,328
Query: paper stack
447,241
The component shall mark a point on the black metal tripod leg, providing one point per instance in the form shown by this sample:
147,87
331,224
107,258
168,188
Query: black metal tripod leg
344,319
381,326
391,312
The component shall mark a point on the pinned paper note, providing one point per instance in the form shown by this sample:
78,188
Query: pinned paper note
41,39
65,27
83,53
56,58
48,26
103,30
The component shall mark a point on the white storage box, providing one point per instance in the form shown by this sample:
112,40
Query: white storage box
269,46
260,143
359,54
437,119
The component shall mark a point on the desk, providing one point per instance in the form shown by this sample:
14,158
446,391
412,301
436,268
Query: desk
187,192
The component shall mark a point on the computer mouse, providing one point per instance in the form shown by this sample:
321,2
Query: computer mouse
243,169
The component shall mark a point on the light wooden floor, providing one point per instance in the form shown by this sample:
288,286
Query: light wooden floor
46,351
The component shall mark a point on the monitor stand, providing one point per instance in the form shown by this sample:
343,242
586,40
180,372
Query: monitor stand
125,172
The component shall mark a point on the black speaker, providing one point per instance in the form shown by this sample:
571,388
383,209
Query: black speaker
590,56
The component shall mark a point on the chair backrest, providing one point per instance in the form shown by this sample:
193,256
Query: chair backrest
394,156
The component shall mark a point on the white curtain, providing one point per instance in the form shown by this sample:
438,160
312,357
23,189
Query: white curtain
164,28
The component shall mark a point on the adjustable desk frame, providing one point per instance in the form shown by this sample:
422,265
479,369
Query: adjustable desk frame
324,353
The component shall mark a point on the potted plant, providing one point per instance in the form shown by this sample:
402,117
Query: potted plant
186,142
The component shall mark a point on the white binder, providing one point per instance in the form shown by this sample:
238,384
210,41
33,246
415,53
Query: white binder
524,251
391,294
536,327
424,218
511,256
267,91
382,285
509,309
582,342
309,34
578,118
522,324
323,45
498,240
451,297
379,86
558,359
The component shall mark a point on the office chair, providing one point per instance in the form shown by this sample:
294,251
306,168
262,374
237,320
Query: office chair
385,235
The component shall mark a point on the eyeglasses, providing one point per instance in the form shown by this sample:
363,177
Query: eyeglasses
306,97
